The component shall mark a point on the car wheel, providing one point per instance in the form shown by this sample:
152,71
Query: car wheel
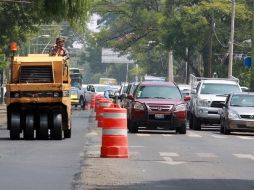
133,128
221,126
226,130
181,130
81,103
196,123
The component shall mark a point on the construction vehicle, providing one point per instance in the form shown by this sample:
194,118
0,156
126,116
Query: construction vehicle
38,97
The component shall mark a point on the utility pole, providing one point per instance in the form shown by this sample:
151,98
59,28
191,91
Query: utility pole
231,41
170,66
252,52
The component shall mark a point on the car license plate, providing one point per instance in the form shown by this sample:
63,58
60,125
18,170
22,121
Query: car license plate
159,116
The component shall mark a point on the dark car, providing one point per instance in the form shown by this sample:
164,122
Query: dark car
129,91
157,104
238,113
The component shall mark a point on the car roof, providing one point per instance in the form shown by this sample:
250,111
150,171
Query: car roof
184,86
157,83
243,93
219,82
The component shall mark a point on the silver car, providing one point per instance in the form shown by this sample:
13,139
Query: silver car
237,113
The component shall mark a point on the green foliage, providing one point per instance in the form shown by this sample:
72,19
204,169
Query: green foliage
31,15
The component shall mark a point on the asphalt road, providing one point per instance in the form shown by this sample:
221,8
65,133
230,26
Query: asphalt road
157,160
164,160
44,165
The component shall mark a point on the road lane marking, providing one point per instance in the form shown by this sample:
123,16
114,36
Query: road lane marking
248,156
168,154
206,155
167,135
92,134
167,157
191,134
219,136
143,135
245,138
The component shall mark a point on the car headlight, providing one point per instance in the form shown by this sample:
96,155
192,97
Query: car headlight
139,106
204,102
181,107
233,115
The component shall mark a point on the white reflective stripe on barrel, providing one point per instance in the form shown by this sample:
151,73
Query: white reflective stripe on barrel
115,115
105,104
114,132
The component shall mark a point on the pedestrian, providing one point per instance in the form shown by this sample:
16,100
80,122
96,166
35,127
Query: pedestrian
58,49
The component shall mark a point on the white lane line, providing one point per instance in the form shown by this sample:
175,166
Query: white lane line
245,138
168,154
167,157
219,136
92,134
167,135
249,156
143,135
93,152
191,134
206,155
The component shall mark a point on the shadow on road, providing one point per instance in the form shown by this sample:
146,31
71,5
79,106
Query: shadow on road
183,184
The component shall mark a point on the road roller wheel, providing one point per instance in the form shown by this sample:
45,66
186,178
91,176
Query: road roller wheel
42,131
15,126
29,128
57,127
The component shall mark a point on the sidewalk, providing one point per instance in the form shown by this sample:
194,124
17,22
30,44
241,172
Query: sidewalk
3,119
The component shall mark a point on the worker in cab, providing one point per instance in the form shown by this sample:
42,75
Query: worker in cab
58,49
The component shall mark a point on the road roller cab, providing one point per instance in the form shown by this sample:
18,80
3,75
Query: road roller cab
38,97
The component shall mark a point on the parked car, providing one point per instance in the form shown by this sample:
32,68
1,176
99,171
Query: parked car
157,104
185,89
77,97
129,91
207,94
237,113
95,89
74,96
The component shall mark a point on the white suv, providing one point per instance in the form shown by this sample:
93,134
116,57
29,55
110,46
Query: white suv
206,99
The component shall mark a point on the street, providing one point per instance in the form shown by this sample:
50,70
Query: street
157,160
163,160
43,164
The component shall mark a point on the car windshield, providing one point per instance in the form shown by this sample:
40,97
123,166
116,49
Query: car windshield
219,88
101,88
242,100
158,92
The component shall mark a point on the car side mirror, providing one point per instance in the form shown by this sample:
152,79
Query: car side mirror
187,98
130,97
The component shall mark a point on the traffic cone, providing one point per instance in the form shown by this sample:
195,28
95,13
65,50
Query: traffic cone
114,133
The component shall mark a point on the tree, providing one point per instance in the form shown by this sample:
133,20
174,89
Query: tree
31,14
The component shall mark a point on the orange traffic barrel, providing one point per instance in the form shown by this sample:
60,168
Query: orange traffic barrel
97,102
92,106
99,114
114,133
